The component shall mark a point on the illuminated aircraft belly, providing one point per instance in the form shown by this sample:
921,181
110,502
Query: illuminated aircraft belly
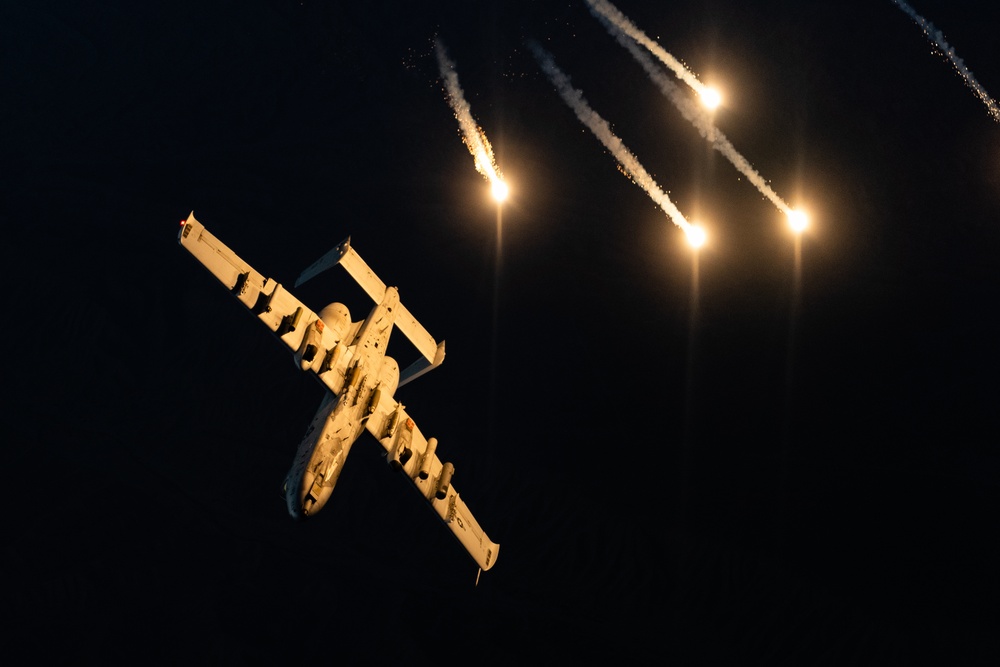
320,460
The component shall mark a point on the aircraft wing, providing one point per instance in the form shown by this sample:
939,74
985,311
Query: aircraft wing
414,455
287,317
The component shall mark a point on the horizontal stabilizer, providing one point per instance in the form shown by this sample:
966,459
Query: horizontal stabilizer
345,255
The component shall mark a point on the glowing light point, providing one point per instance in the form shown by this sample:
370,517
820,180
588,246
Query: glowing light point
798,221
711,98
695,236
500,190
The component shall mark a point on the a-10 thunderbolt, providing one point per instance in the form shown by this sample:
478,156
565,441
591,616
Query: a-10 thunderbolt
349,359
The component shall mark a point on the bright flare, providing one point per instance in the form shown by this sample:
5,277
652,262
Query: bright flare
798,221
695,236
633,39
472,135
500,190
711,98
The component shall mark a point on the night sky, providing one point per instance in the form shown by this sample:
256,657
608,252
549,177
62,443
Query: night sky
761,456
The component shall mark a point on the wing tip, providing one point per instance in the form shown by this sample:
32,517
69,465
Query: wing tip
491,556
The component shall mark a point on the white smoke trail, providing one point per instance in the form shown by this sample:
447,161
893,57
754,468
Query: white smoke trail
948,52
695,114
629,163
472,135
606,12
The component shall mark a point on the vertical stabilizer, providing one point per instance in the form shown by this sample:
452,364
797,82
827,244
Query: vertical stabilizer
345,256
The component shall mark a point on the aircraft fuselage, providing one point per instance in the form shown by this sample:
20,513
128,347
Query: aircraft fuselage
341,419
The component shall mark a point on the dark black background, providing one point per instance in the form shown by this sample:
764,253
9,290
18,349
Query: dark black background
773,472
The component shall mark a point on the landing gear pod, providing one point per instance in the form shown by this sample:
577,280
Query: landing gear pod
310,347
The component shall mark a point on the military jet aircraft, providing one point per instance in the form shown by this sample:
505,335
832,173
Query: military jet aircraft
349,359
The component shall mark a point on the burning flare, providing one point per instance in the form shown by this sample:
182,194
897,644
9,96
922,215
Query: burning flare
472,135
628,162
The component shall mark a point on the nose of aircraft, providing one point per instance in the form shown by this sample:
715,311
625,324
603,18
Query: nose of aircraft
297,498
306,506
306,498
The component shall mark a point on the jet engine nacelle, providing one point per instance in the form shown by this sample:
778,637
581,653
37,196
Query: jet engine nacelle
337,319
334,321
388,377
